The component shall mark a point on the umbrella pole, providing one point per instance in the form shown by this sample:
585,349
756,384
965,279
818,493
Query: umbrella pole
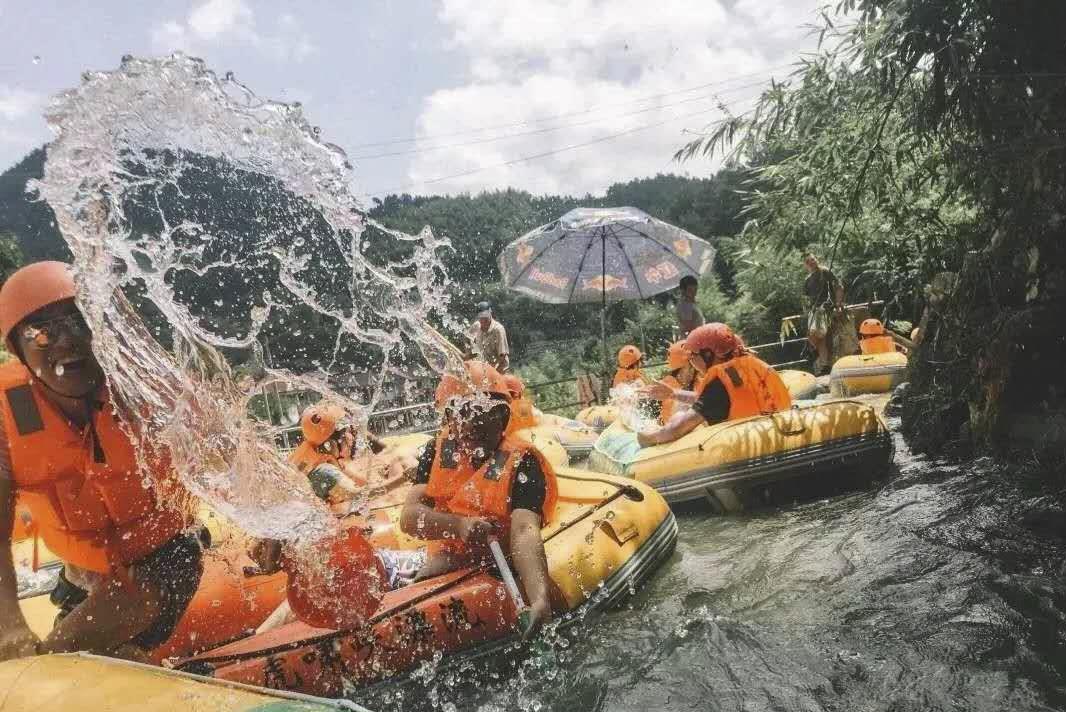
604,388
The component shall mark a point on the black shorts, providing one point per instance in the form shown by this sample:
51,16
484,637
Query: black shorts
176,567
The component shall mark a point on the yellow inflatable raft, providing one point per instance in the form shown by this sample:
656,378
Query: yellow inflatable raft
91,683
597,417
801,385
867,373
725,463
573,436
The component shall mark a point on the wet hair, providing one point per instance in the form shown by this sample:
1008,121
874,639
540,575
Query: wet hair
688,281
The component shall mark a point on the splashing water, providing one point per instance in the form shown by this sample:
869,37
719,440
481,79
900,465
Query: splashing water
173,186
631,408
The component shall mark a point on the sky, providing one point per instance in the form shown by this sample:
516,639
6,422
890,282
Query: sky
440,96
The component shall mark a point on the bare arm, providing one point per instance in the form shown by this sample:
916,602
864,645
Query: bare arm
530,561
419,519
16,638
680,425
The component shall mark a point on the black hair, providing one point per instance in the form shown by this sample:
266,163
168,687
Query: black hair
688,280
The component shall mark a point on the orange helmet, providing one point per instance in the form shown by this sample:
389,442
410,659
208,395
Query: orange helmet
677,356
33,287
514,385
871,327
629,356
714,337
320,421
480,377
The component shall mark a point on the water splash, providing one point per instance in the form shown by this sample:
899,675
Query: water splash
226,220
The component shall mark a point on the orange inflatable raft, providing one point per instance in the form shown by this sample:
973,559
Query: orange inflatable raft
610,534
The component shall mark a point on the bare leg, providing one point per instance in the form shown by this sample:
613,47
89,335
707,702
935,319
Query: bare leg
440,563
112,615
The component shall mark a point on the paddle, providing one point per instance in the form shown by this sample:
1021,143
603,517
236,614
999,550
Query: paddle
525,613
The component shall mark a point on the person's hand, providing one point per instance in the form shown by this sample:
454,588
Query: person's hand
18,641
657,390
475,530
540,613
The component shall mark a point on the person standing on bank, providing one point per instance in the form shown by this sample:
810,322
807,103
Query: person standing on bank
824,294
488,340
689,315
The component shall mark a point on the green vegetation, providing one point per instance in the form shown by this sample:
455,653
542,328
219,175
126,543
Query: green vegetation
930,137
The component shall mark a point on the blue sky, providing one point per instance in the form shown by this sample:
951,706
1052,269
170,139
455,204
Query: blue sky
439,96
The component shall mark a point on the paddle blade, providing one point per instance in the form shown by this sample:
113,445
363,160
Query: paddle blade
341,587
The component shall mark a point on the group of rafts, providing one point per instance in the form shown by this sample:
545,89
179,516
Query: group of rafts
611,529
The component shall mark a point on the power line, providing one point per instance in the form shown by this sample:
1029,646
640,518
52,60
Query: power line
542,119
544,154
549,129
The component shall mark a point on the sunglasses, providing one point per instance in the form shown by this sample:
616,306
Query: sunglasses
43,334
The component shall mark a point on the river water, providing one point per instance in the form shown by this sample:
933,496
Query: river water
940,590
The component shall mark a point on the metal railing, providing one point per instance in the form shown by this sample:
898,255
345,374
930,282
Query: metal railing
422,417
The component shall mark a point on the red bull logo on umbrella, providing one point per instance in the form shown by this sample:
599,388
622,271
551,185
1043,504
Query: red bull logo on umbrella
662,272
524,255
605,284
548,278
682,247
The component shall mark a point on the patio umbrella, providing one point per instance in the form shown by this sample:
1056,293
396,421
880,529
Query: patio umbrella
601,255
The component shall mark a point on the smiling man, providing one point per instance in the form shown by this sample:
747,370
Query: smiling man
132,557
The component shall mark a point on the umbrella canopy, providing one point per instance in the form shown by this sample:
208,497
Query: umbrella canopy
601,255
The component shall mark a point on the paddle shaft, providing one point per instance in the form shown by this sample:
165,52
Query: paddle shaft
524,613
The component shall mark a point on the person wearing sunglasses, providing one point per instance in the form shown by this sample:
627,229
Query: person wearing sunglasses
476,482
132,555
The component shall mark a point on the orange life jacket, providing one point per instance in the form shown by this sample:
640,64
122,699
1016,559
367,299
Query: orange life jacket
877,345
88,500
628,375
457,487
753,387
521,415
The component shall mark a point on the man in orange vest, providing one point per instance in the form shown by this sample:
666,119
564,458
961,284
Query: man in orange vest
475,481
133,557
733,384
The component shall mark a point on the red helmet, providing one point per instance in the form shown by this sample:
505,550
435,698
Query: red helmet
480,377
677,356
31,288
629,356
871,327
714,337
514,385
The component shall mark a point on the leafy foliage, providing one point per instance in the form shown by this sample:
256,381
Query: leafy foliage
928,137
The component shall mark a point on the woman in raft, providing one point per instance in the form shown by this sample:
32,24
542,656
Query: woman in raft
733,384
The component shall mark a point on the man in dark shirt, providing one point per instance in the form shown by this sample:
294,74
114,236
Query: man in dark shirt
823,293
474,483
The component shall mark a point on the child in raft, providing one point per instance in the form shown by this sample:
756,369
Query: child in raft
345,467
630,360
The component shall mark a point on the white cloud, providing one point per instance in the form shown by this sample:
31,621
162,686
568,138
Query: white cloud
233,21
529,59
17,103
